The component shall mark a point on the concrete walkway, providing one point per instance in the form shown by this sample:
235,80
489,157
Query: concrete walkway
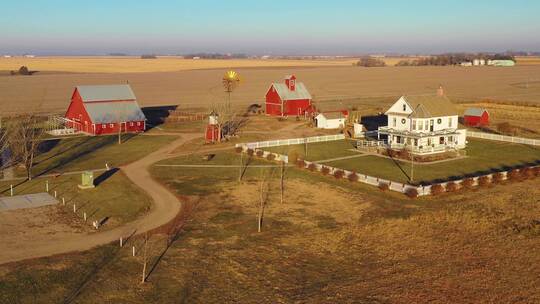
164,208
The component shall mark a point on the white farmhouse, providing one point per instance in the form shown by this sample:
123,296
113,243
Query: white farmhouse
330,120
424,125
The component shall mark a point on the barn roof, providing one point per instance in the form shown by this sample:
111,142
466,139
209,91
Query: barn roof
475,111
114,112
284,93
430,106
92,93
332,115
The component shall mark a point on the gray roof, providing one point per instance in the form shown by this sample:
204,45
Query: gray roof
475,111
284,93
332,115
106,92
430,106
113,112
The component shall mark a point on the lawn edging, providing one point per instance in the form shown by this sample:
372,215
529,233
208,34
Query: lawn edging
412,191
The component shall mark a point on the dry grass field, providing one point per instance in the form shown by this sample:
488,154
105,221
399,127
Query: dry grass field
130,64
528,60
203,87
329,242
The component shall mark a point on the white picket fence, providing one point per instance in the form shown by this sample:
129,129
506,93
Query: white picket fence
293,141
511,139
375,181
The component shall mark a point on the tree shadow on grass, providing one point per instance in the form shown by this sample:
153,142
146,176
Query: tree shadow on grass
104,176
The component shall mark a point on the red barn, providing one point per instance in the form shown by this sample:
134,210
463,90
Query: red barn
103,109
476,117
289,98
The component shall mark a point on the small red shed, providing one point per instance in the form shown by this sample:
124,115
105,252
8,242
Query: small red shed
212,133
290,98
476,117
103,109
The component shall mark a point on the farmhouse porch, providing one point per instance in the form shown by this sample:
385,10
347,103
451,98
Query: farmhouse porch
421,143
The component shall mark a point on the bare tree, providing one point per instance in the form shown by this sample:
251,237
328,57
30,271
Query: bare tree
264,187
145,257
24,134
121,117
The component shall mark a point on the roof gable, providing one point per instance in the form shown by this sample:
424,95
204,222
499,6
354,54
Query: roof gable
105,93
284,93
430,106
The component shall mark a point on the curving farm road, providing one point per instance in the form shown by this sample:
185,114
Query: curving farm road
164,208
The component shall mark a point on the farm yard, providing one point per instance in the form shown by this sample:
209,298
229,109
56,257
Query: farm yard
482,157
329,241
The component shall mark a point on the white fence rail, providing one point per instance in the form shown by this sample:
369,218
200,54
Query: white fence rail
375,181
511,139
293,141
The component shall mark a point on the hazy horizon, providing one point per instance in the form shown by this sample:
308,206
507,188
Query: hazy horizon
343,27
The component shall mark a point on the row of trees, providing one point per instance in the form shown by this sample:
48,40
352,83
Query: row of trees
452,59
369,62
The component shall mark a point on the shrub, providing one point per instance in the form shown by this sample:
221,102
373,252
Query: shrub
451,187
312,167
353,177
250,152
537,171
484,181
338,174
437,189
260,153
384,186
238,149
515,175
301,163
529,173
498,177
411,192
325,170
271,156
468,183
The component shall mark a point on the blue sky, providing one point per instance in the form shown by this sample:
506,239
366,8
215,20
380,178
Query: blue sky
268,27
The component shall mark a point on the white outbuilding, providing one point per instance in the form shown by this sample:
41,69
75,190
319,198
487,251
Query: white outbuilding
330,120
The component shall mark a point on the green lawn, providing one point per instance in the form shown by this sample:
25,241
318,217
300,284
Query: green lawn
81,153
115,197
318,151
482,157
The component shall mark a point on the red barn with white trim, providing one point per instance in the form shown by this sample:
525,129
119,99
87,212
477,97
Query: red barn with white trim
289,98
476,117
103,109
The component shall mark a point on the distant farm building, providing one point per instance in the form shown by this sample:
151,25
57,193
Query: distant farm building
289,98
503,63
105,109
476,117
331,120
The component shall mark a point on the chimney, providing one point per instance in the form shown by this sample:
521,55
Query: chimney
440,91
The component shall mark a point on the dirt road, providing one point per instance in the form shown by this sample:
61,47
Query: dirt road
165,207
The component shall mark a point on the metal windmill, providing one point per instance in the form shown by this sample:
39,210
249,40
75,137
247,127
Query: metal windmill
231,80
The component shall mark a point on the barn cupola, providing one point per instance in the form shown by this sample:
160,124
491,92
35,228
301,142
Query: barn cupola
290,81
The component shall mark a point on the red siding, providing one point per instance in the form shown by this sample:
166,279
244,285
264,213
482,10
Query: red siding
212,133
273,102
476,121
290,107
77,112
